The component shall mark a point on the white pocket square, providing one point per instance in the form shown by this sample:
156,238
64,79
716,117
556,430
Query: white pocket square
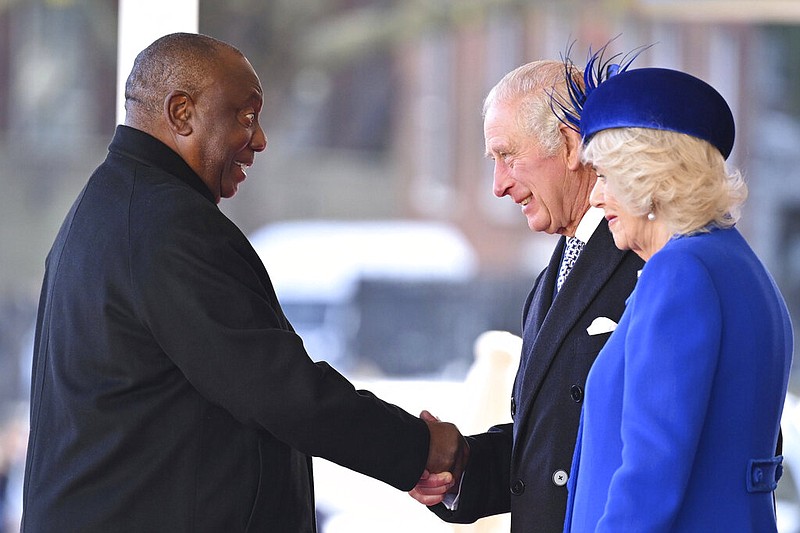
601,325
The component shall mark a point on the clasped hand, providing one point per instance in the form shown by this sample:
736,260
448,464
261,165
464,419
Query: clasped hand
447,459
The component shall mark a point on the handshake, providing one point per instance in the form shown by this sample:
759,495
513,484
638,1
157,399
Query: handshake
447,458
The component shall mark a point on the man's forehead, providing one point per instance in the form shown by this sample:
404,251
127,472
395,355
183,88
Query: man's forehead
240,72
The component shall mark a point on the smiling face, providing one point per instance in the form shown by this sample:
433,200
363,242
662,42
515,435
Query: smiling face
225,132
552,199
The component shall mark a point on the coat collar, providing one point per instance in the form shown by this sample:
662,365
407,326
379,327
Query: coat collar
148,150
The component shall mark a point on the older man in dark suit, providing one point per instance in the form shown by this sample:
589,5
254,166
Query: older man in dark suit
169,391
574,305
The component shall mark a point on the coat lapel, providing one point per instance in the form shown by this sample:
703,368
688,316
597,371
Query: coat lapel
547,325
540,301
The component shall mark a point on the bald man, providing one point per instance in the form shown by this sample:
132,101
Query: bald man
170,392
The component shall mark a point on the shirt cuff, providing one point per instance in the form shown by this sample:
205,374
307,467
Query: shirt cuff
451,498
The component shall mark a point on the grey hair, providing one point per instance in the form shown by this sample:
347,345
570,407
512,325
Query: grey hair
532,86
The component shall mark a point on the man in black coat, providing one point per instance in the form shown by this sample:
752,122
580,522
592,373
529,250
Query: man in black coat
169,391
523,467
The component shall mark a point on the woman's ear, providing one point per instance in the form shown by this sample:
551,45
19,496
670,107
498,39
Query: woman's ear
179,110
572,144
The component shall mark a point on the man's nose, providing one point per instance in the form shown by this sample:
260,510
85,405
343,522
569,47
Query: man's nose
501,181
259,141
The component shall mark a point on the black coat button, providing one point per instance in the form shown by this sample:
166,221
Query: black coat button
518,487
577,393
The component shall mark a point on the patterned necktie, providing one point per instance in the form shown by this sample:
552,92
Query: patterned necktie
571,252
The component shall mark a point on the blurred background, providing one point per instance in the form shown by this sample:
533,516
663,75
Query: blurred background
372,206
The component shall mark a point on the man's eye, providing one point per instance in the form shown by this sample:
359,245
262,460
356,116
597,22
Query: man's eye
249,118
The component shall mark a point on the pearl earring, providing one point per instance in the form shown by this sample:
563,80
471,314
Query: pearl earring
651,216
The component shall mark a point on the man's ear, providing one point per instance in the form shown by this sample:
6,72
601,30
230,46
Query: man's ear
572,143
179,110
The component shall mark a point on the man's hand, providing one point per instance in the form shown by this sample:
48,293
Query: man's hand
432,488
447,459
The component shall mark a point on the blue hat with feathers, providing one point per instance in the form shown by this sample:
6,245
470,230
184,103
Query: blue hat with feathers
655,98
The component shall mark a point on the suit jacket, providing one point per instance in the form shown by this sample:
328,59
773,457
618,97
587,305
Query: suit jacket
683,405
169,391
523,467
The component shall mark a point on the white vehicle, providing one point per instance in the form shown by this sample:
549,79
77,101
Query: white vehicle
320,270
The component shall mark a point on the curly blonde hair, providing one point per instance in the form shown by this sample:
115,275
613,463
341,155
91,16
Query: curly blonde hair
681,178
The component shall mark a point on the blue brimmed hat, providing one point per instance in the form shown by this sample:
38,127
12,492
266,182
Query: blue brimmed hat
661,99
612,96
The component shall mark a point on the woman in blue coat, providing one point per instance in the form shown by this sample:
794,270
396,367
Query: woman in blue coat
683,405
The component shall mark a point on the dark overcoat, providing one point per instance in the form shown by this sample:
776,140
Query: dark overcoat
523,467
169,391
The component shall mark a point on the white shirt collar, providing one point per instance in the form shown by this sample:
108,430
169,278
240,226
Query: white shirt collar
589,223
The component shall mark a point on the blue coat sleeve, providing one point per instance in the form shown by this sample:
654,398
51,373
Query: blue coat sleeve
671,352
